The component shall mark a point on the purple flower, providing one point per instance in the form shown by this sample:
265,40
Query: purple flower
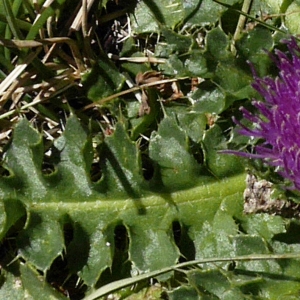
279,121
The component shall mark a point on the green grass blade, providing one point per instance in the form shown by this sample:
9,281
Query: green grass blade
42,19
21,24
111,287
263,23
10,17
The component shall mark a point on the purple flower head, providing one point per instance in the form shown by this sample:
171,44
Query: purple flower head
279,121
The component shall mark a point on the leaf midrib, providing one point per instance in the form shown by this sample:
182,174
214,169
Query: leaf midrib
215,190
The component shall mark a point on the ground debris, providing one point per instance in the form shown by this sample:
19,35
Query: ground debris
258,199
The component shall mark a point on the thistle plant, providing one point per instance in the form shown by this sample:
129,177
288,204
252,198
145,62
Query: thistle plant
279,119
113,115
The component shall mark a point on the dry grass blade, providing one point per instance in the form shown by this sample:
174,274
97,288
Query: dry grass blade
45,5
17,71
241,23
131,90
142,60
48,41
46,92
81,16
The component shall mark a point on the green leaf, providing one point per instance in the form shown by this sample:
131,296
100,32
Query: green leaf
253,47
42,239
192,64
76,155
234,81
264,225
103,80
183,292
205,12
214,285
121,165
11,210
72,200
245,244
221,165
217,44
292,17
196,64
34,286
237,80
152,246
256,42
180,192
22,281
94,231
150,14
176,167
209,99
11,283
194,124
176,42
24,160
174,66
269,7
